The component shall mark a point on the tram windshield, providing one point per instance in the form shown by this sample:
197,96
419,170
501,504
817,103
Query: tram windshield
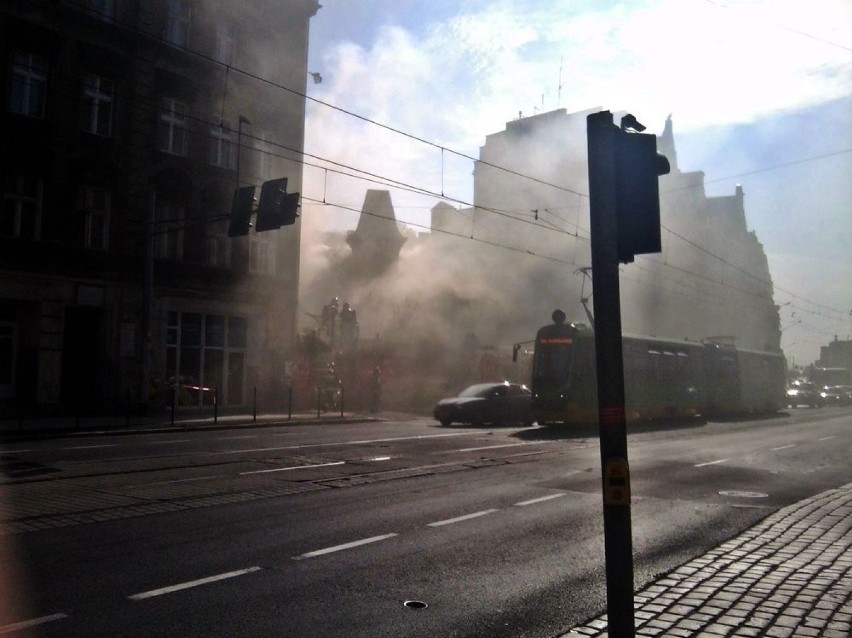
553,359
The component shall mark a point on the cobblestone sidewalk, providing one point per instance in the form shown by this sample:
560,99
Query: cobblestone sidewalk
791,575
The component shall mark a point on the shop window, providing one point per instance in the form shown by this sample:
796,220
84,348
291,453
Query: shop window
205,353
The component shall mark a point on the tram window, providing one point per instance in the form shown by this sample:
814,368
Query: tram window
553,362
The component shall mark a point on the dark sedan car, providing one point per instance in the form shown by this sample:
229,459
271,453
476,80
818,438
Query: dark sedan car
803,393
500,402
836,395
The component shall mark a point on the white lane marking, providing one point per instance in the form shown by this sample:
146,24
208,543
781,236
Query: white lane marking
90,447
494,447
459,519
167,442
294,467
338,548
24,624
14,451
783,447
309,445
332,444
825,438
193,583
234,438
711,463
540,499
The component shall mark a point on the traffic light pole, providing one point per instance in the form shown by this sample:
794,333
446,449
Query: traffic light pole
618,547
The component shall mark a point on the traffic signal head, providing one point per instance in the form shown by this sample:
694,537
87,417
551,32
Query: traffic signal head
277,207
240,220
638,166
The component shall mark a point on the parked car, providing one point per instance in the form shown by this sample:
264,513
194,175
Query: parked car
803,393
846,392
498,402
836,395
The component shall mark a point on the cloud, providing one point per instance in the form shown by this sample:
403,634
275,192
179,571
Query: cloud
454,73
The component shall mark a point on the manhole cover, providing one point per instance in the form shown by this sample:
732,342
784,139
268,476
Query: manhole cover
415,604
743,494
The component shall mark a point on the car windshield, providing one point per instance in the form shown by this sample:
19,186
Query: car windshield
480,390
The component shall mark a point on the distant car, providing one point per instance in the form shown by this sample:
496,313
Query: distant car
846,393
803,393
499,402
836,395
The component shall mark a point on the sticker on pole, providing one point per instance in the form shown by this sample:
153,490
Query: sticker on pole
616,482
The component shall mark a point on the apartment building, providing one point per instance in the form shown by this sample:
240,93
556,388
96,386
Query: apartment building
126,127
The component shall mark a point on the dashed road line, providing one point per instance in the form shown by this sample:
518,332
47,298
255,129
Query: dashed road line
338,548
494,447
783,447
540,499
26,624
167,442
90,447
826,438
716,462
293,467
459,519
192,583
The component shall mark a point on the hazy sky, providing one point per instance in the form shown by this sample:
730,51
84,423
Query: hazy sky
760,93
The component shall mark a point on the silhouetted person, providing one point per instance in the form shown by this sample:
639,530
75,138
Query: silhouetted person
348,327
329,315
375,389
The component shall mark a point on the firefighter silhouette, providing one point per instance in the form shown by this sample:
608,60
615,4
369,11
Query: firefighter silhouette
348,327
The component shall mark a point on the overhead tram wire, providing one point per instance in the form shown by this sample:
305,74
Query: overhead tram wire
523,251
159,39
784,27
135,29
191,222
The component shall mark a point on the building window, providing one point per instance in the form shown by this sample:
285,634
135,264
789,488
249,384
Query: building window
93,209
168,230
174,127
177,23
226,44
262,253
28,93
103,9
223,150
97,105
21,213
218,245
205,354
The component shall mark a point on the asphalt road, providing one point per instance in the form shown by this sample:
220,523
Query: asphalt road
330,530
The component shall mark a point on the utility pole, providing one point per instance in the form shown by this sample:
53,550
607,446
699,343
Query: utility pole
618,545
146,326
624,202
